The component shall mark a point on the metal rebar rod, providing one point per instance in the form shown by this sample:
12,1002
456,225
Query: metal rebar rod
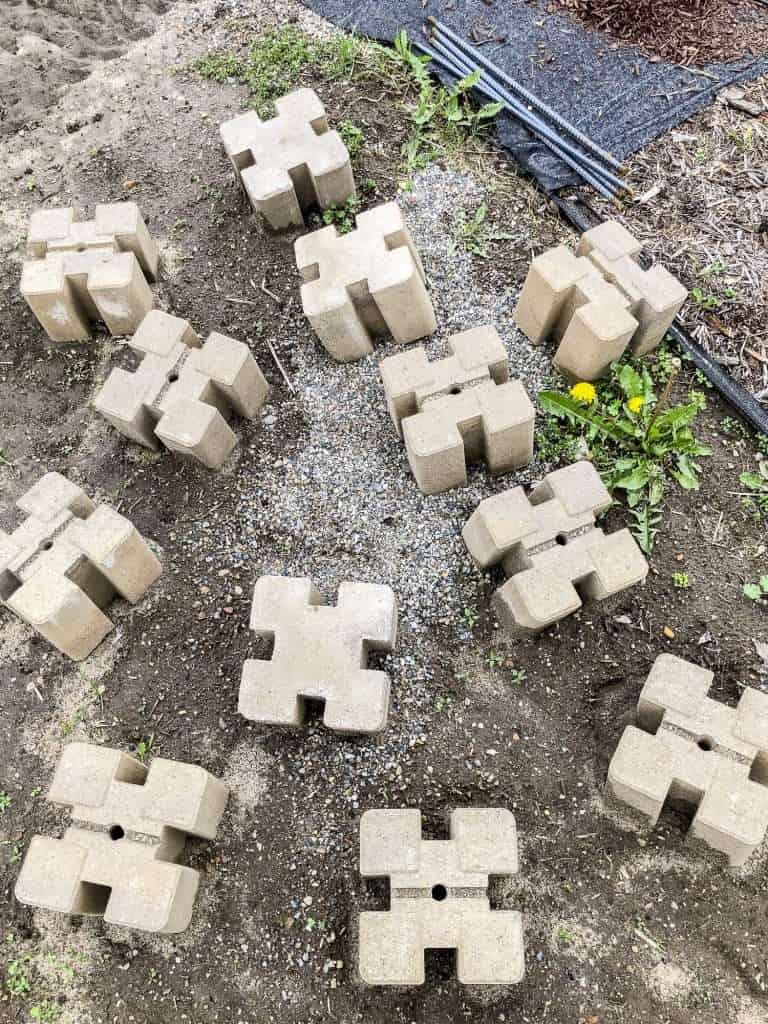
593,178
527,95
460,71
531,119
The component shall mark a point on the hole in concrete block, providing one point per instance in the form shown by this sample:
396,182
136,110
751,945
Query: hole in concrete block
562,539
9,584
46,545
116,832
759,770
92,898
439,966
706,743
439,893
679,808
455,391
172,377
314,709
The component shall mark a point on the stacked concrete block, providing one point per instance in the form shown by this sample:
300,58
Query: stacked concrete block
439,898
183,394
551,549
80,271
361,285
598,302
689,748
460,409
291,162
67,561
320,653
118,858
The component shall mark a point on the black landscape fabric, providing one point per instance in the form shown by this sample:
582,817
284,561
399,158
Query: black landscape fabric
613,93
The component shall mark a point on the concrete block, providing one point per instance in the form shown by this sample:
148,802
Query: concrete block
690,748
183,394
363,284
67,561
598,302
320,653
460,409
550,548
291,162
439,898
118,858
80,271
655,297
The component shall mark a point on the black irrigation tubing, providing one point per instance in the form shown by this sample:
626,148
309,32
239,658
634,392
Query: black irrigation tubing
733,392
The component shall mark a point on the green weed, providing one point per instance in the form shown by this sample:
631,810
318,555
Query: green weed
757,591
637,441
756,495
18,980
144,748
45,1012
476,235
352,137
681,580
5,801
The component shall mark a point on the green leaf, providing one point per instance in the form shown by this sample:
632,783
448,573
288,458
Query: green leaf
753,591
489,110
686,474
565,406
634,481
753,481
764,583
646,527
630,382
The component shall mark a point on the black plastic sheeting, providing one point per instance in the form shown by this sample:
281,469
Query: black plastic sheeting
614,94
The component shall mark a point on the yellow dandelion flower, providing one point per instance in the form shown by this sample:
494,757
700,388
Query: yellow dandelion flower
636,404
584,392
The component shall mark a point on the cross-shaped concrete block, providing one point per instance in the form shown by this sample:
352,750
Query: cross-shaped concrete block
291,162
551,549
130,822
182,394
460,409
439,897
80,271
320,653
67,561
689,748
361,285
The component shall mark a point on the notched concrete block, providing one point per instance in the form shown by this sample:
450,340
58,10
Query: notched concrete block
67,561
689,748
320,653
118,858
80,271
439,898
551,549
361,285
598,302
182,394
458,410
291,162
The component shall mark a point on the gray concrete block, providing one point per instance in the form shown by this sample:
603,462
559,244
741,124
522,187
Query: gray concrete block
290,163
361,285
439,898
459,409
320,653
67,561
80,271
550,548
183,394
690,748
598,302
118,858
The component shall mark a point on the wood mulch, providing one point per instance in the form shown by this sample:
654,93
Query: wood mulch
684,31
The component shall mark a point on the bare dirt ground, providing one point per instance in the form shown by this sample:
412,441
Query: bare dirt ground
620,926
